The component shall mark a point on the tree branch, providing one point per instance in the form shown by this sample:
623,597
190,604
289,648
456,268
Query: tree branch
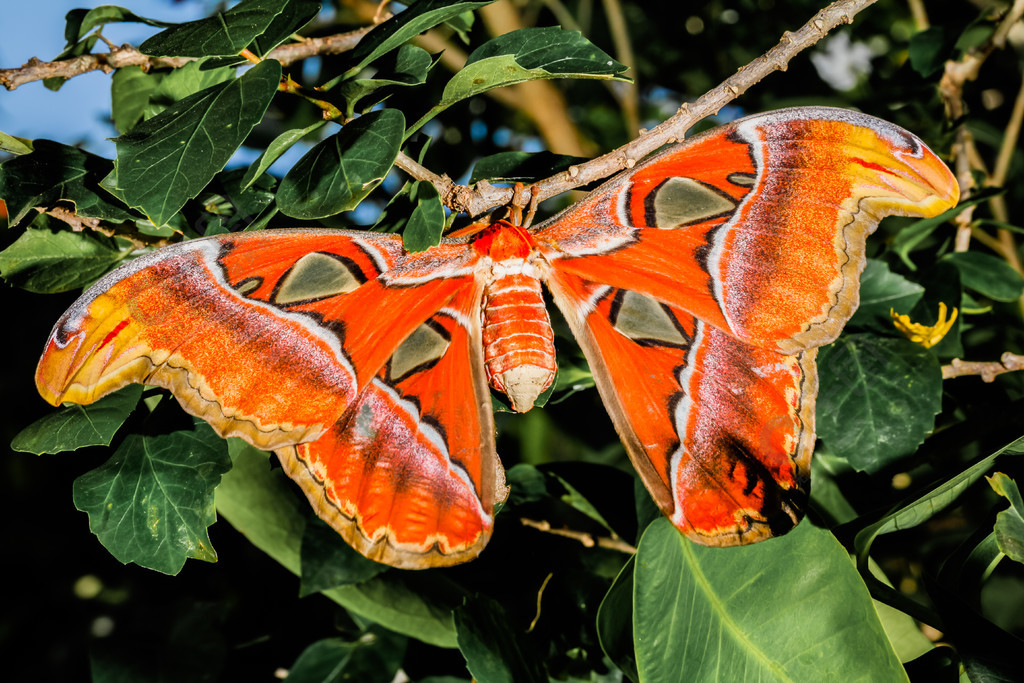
1008,362
126,55
673,129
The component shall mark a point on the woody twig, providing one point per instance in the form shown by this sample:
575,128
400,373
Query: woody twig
1008,362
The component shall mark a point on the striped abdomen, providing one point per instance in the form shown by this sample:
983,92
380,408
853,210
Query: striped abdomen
519,346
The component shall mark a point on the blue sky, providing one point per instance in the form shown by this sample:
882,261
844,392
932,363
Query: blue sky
78,112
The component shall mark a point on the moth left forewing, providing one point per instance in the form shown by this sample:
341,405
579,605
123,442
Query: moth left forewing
720,431
409,475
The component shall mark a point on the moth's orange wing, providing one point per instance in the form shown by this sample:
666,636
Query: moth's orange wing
720,431
748,241
282,338
409,475
756,227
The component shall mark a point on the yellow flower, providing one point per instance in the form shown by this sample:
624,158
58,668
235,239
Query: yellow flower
926,336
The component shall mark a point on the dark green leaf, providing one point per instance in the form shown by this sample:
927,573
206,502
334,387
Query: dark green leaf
47,261
974,35
494,652
881,291
375,658
182,82
792,608
73,426
1009,522
399,29
328,561
225,33
910,237
924,507
525,55
130,92
294,16
929,50
878,398
988,275
409,67
281,144
167,160
340,171
152,502
416,212
52,173
521,166
80,21
615,622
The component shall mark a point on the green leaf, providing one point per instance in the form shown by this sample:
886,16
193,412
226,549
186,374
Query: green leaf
615,621
224,34
46,261
789,609
929,50
521,166
182,82
494,652
409,67
260,503
341,170
525,55
877,398
374,658
328,561
167,160
152,502
881,291
54,173
78,22
294,16
929,504
988,275
1010,522
130,91
281,144
14,145
402,27
73,426
417,213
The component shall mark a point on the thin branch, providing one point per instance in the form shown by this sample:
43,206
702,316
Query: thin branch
1008,362
588,540
673,129
78,223
126,55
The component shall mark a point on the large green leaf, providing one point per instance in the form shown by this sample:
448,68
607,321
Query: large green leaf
294,16
789,609
48,261
877,398
988,275
399,29
78,22
152,502
341,170
53,173
260,502
165,161
73,426
224,34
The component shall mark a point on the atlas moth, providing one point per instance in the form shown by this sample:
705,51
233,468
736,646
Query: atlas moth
699,285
